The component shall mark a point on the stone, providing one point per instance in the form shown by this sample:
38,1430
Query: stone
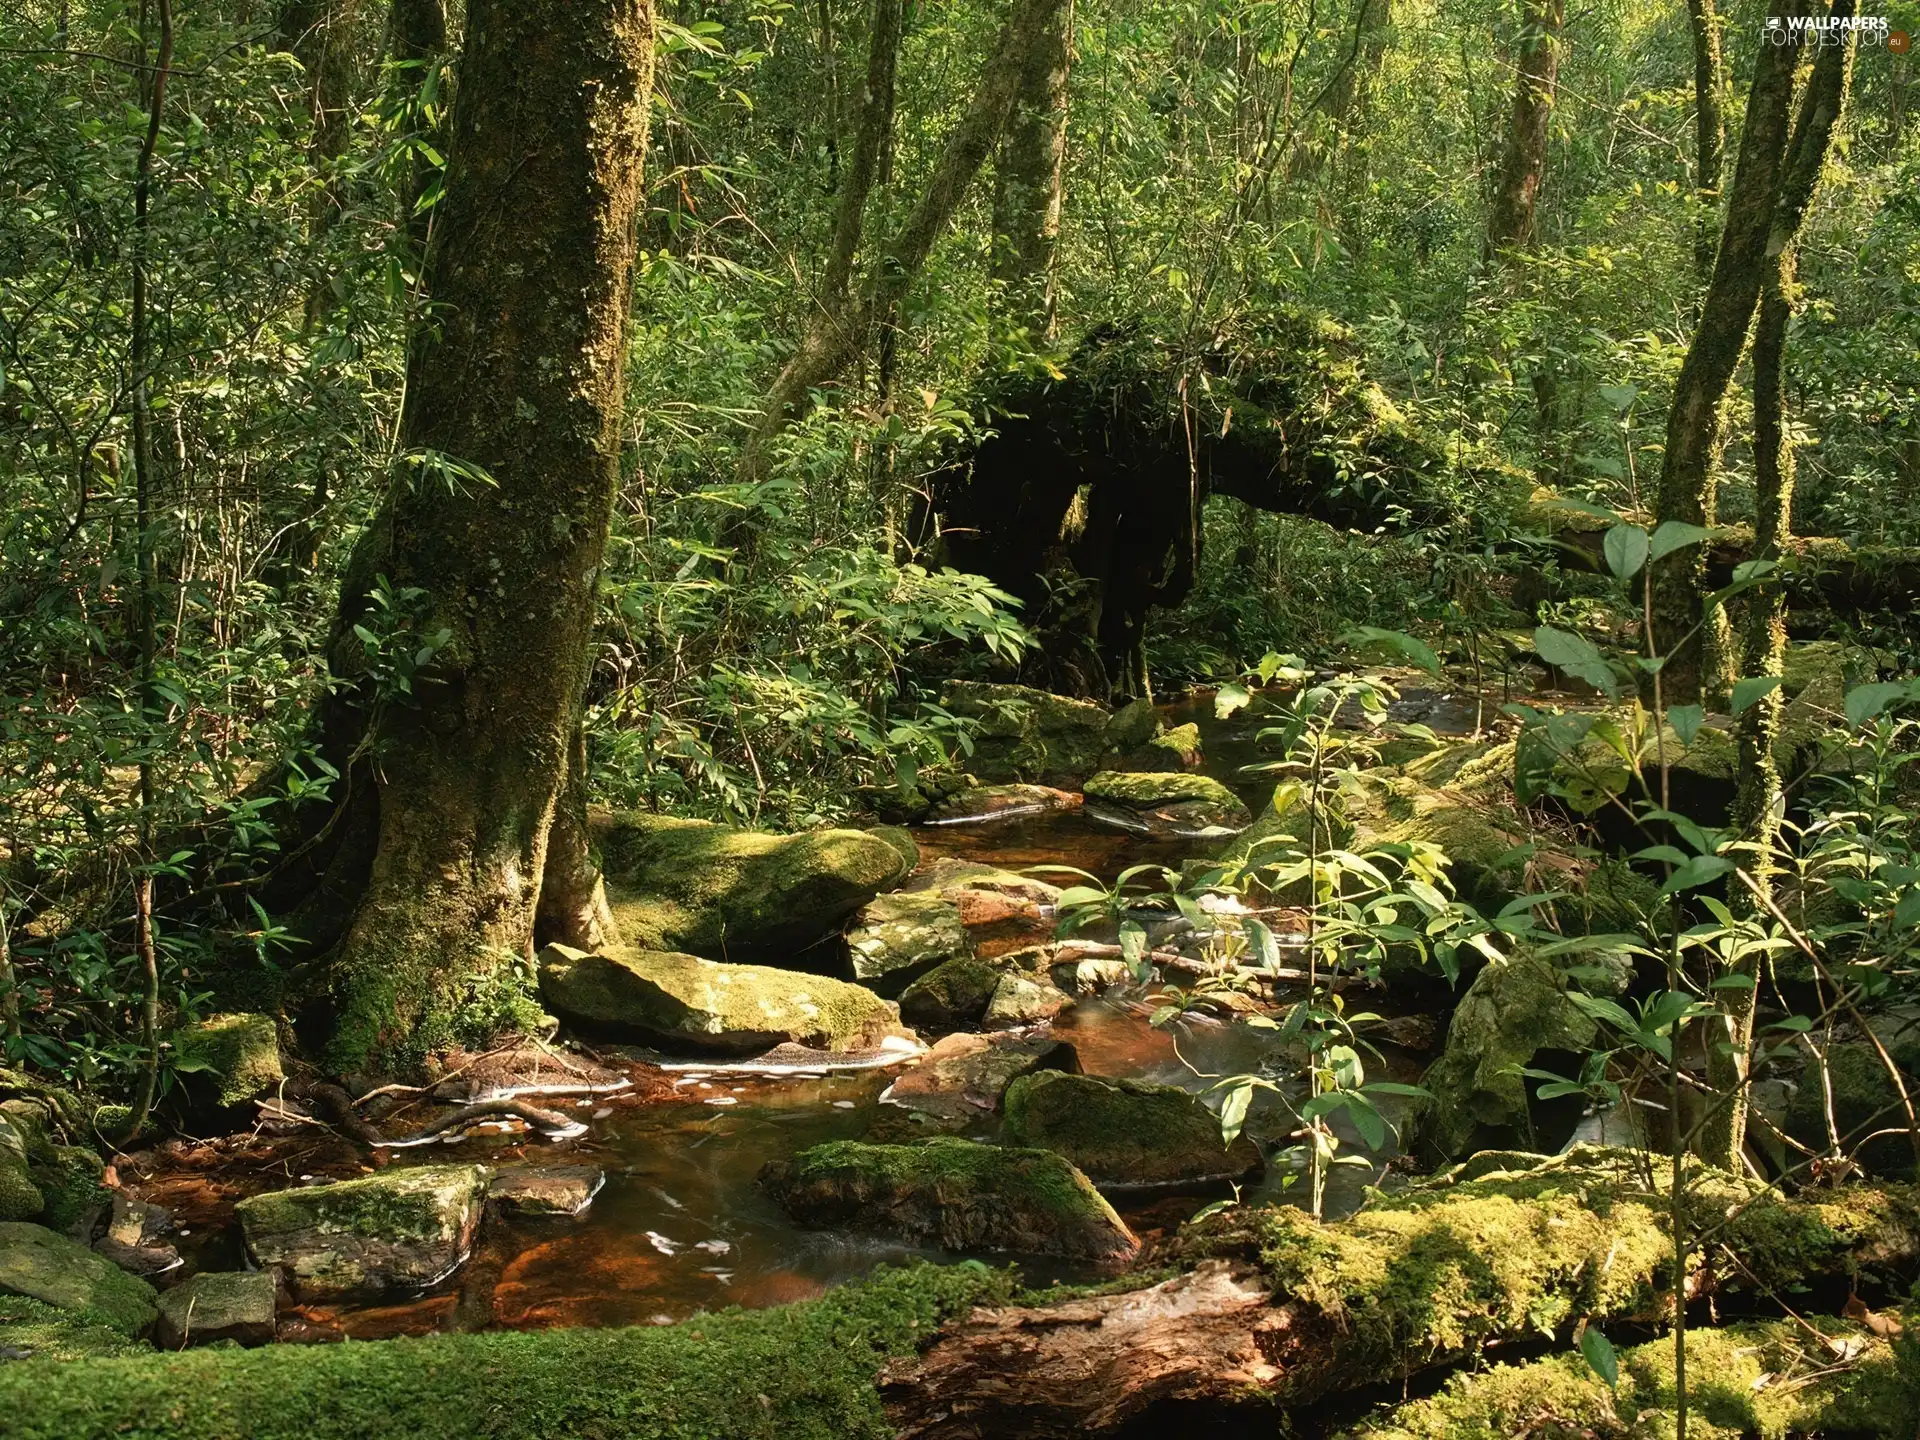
558,1190
1134,724
1027,734
1864,1101
135,1238
897,938
965,1075
954,994
1165,803
62,1273
20,1195
1125,1132
235,1057
1023,1000
737,895
1002,911
684,1002
404,1228
236,1307
1510,1013
1000,802
1175,749
955,1194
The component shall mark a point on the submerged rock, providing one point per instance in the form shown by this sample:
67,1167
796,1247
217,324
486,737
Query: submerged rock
1023,1000
897,938
953,1193
399,1229
559,1190
1000,802
59,1272
742,895
214,1306
1165,803
966,1075
1125,1131
686,1002
228,1060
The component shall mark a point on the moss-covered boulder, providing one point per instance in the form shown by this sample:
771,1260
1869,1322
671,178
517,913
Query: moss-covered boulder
229,1060
1175,749
1002,910
955,1194
20,1196
1125,1132
1864,1101
1020,999
43,1266
236,1307
1509,1014
686,1003
897,938
742,895
985,803
967,1075
1165,803
403,1228
1027,734
951,995
33,1330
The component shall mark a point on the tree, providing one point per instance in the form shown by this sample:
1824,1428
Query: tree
461,641
1524,163
319,34
1709,124
1029,177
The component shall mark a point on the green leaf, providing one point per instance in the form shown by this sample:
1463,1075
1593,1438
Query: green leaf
1626,550
1686,721
1233,1112
1576,656
1866,701
1366,1119
1700,870
1675,535
1600,1356
1750,692
1414,650
1907,912
1229,698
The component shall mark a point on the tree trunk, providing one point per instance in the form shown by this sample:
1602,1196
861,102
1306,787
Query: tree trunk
831,339
417,40
1760,802
1345,97
319,34
1687,490
1511,224
1709,127
488,549
1029,178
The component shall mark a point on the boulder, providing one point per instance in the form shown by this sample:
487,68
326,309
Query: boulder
951,995
897,938
965,1075
684,1002
20,1195
1002,911
1125,1132
62,1273
541,1190
136,1237
41,1178
233,1306
1510,1013
1023,1000
228,1060
738,895
404,1228
1000,802
1864,1101
955,1194
1165,803
1175,749
1027,734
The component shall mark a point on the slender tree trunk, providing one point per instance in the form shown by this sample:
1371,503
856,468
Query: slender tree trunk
1709,128
319,34
870,144
1029,178
1524,164
498,520
417,40
1760,802
832,339
1345,98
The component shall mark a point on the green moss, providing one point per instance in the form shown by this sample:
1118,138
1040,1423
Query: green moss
1175,749
70,1181
30,1328
799,1372
954,993
1768,1381
20,1198
1125,1130
1160,787
409,1204
1027,734
37,1263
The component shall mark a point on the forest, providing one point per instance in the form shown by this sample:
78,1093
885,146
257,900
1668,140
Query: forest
959,718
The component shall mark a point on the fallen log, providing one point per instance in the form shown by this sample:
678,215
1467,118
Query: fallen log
1283,1311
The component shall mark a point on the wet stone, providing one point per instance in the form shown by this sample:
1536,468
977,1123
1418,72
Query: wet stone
556,1191
1023,1000
235,1306
965,1075
897,938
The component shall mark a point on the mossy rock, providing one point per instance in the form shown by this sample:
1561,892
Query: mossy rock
43,1266
684,1002
965,1075
1133,724
237,1056
951,995
796,1372
743,895
32,1329
897,938
1027,734
985,803
65,1178
1165,803
1019,999
403,1228
953,1193
1509,1014
1125,1132
1864,1101
235,1307
20,1197
71,1180
1177,749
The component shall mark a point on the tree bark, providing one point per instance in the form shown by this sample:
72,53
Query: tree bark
489,544
1709,127
1029,178
1512,222
417,40
869,144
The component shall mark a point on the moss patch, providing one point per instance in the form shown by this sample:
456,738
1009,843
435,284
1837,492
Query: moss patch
1138,790
952,994
52,1269
800,1372
240,1054
30,1328
1027,734
1124,1131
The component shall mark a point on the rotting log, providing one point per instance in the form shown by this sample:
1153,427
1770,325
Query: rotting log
1279,1310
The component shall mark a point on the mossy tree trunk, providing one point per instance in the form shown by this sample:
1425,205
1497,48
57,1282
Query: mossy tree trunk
1760,803
1709,126
417,41
1029,177
488,547
1524,162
